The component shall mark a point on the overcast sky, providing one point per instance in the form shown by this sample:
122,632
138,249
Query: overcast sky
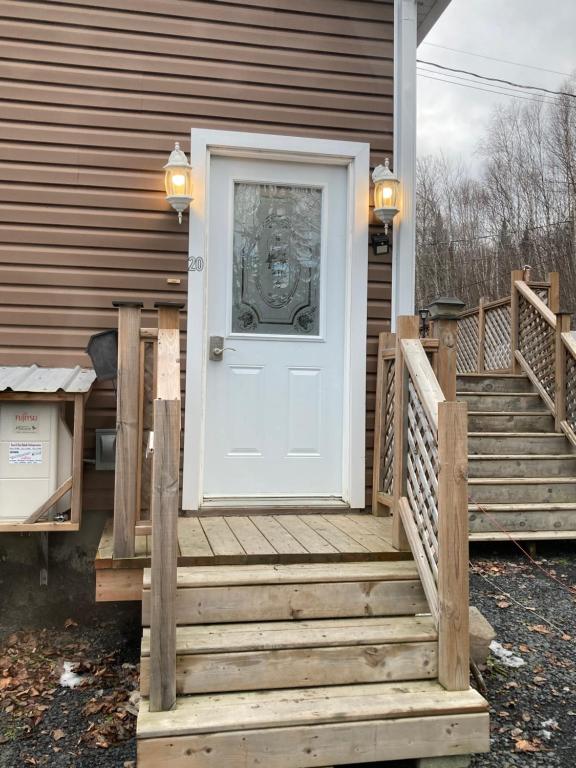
451,117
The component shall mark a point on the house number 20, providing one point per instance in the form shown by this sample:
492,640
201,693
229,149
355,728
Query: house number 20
195,264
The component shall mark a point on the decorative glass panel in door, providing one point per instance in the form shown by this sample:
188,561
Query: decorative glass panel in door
276,259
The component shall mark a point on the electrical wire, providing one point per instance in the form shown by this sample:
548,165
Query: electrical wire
451,77
497,79
491,237
487,90
501,61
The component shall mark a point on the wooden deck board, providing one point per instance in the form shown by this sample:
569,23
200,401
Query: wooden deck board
253,542
335,536
282,541
257,539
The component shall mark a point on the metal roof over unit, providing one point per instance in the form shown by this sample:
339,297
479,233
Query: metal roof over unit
33,378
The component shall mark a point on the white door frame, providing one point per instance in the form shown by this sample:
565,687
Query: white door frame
206,143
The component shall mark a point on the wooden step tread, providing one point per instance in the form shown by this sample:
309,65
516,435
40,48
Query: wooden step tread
527,507
519,456
466,393
231,575
491,375
543,412
517,434
276,635
520,480
310,706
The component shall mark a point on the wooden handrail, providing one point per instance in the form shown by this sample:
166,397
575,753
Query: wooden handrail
423,378
164,512
569,340
536,302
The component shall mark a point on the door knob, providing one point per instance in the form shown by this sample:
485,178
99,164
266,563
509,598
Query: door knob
216,348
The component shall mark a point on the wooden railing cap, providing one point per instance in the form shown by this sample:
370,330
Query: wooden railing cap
133,304
170,304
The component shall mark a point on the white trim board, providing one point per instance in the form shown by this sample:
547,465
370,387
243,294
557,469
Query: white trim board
206,143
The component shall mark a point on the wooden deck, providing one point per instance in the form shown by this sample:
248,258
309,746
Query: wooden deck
242,540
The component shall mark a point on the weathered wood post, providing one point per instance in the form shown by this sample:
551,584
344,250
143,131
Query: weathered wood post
127,427
453,598
516,274
407,327
445,312
563,322
164,511
480,364
554,292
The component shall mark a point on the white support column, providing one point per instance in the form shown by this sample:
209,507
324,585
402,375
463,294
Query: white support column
404,226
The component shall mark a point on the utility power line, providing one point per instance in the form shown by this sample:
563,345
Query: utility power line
497,79
501,61
492,237
487,90
455,80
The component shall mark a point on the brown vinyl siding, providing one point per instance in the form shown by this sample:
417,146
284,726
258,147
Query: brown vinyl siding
92,97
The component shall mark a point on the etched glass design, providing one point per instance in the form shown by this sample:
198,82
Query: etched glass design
276,259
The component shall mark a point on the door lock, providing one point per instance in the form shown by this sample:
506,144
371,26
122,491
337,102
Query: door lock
216,348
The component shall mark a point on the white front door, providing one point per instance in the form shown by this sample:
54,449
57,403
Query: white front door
274,405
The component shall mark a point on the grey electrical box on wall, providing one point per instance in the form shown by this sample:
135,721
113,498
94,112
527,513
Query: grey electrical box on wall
105,449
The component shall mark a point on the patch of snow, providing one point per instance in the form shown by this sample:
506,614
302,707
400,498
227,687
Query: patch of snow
506,657
69,678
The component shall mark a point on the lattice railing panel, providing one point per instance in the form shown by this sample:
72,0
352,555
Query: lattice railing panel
536,342
571,391
387,451
467,358
497,332
422,477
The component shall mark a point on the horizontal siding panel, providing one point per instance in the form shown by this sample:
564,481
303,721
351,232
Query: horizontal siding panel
80,179
92,96
35,122
118,110
138,84
214,71
153,110
172,46
86,258
313,15
194,29
118,280
59,235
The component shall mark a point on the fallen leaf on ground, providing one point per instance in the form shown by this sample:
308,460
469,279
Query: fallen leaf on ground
542,629
523,745
58,734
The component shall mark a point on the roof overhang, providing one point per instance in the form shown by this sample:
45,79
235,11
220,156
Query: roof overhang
429,11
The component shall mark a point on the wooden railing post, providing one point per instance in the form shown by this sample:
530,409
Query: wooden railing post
563,321
385,340
481,335
407,327
164,511
127,428
516,274
446,331
453,618
554,292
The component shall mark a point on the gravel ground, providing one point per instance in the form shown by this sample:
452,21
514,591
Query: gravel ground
533,707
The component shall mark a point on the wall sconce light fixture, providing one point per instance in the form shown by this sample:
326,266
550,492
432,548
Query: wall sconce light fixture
386,194
178,181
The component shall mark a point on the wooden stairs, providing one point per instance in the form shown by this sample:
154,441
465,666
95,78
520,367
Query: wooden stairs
522,472
300,665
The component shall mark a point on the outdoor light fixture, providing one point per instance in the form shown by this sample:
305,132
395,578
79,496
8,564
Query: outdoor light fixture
424,324
178,181
386,194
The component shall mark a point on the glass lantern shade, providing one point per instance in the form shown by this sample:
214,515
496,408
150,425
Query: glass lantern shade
386,193
178,181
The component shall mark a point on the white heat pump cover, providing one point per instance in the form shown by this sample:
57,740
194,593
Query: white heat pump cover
35,456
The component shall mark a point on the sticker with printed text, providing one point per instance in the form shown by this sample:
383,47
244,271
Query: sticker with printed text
25,453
